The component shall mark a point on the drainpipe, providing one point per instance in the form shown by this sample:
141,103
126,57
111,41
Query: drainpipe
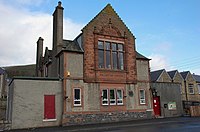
186,96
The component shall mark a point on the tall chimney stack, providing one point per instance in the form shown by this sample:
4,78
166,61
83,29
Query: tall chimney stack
58,28
39,55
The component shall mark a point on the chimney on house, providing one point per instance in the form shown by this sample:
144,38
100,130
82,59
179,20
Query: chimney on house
39,55
58,28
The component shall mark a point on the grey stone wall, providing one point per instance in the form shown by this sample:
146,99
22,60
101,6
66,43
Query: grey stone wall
77,119
26,102
169,92
2,108
75,64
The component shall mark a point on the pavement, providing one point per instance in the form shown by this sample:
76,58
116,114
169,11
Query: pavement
114,125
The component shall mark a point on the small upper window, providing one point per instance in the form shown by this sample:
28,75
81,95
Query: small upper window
198,85
191,88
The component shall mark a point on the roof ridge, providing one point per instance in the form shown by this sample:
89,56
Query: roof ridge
172,71
157,70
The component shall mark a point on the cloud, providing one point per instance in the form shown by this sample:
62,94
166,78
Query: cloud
28,2
159,62
196,71
20,30
163,47
21,3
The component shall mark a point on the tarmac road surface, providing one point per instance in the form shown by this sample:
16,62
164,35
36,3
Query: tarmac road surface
180,124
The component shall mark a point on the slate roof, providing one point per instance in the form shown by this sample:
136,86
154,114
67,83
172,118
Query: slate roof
69,45
25,70
2,71
154,75
197,78
184,74
172,73
140,56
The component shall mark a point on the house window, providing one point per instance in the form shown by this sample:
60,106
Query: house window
119,97
49,107
191,88
77,97
112,97
142,96
198,85
105,97
110,55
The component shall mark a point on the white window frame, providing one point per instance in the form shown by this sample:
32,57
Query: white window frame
191,87
105,99
77,100
119,99
142,100
116,100
114,97
198,86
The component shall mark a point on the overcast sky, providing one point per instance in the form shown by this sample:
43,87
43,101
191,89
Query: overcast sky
168,32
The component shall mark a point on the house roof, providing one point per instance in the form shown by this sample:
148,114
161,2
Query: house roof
140,56
2,71
69,45
184,74
172,73
25,70
154,75
197,78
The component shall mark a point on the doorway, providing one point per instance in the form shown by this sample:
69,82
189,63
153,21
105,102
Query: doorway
156,106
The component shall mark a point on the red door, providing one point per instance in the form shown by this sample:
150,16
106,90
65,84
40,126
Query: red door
156,106
49,107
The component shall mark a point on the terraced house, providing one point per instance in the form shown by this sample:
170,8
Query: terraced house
188,87
104,78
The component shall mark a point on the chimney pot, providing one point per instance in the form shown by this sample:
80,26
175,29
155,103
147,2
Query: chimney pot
59,3
40,38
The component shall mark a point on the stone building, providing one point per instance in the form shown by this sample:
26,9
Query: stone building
191,95
2,83
104,78
3,93
188,86
32,101
197,79
166,93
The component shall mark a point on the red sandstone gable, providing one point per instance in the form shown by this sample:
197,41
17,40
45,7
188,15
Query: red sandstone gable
108,27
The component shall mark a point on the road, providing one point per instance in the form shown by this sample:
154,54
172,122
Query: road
181,124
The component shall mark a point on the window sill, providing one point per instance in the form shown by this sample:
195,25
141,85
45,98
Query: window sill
113,105
110,70
77,105
46,120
